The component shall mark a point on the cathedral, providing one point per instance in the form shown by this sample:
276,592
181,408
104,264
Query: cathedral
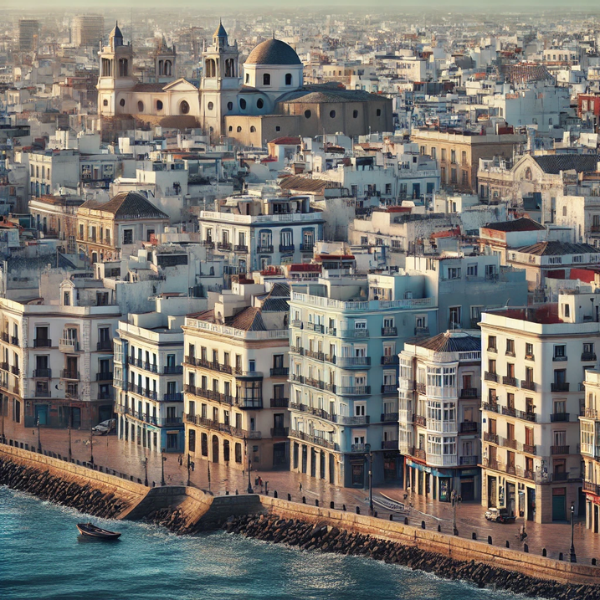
264,99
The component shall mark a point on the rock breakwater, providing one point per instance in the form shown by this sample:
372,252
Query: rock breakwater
323,538
57,490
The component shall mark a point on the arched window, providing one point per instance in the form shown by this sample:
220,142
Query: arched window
184,107
140,106
204,444
210,68
247,77
161,67
355,114
122,102
378,112
266,79
210,106
288,79
307,114
159,105
122,67
528,174
230,128
230,106
105,102
239,129
230,67
252,129
243,104
332,114
168,66
260,103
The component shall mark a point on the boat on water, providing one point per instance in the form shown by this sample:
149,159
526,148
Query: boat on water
89,530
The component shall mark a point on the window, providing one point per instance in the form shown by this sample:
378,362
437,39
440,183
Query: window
332,114
378,112
307,114
242,104
260,103
140,106
159,105
122,102
560,352
105,102
210,106
472,270
510,347
453,273
184,108
454,316
528,350
355,114
360,325
288,79
230,106
266,79
128,236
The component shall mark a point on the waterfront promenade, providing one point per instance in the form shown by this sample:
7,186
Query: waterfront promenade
112,453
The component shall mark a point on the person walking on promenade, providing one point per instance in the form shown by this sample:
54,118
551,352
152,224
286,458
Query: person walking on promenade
300,487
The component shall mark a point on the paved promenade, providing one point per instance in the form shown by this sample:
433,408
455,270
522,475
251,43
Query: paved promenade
112,453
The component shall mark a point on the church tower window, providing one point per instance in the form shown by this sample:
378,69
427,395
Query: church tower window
266,79
184,107
243,104
288,79
230,106
159,105
123,67
140,106
260,103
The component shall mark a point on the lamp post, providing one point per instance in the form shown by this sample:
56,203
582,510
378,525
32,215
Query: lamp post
69,432
250,490
208,466
370,457
454,498
572,555
37,424
163,458
145,463
189,466
91,444
3,403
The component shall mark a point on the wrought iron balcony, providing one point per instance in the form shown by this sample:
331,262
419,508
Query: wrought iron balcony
389,331
390,360
104,345
491,406
466,393
507,380
286,247
42,343
559,387
490,376
224,246
280,402
280,431
42,373
69,374
173,370
389,445
265,249
559,417
389,417
353,361
559,449
173,397
241,248
389,389
354,390
588,356
104,376
280,371
469,427
528,385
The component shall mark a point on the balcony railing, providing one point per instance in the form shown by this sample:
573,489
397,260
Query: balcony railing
249,403
390,360
491,376
319,441
224,246
279,431
353,361
588,356
307,247
421,420
15,370
389,389
42,393
353,333
466,393
104,376
594,488
42,343
590,413
280,371
360,390
559,449
358,448
286,247
491,406
68,345
468,460
280,402
240,248
559,387
173,370
507,380
491,437
173,397
389,331
356,420
390,417
559,417
104,345
559,358
469,427
264,249
69,374
389,445
42,374
528,385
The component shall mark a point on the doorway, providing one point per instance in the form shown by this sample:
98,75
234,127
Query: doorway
559,504
41,414
358,474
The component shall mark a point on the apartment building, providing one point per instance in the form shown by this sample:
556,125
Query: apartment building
115,228
346,332
57,355
439,415
458,152
148,375
254,233
589,422
535,360
235,377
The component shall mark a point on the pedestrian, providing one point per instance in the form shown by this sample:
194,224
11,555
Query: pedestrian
300,487
266,488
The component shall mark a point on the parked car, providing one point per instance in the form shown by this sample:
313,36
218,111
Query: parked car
104,428
499,515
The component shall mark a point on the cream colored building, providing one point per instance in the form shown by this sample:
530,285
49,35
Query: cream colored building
235,378
589,422
534,360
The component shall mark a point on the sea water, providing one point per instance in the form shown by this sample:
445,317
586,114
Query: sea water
43,557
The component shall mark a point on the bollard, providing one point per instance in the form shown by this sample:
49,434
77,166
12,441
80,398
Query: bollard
289,497
560,556
275,494
422,524
544,552
507,544
525,548
317,502
154,484
474,536
490,540
331,504
358,510
227,492
593,562
236,492
344,507
391,517
439,529
375,513
303,499
406,520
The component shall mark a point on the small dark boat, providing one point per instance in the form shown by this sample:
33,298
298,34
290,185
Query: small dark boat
90,530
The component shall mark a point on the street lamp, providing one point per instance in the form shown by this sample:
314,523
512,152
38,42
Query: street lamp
250,490
455,500
37,424
163,458
91,444
370,455
190,466
572,555
208,466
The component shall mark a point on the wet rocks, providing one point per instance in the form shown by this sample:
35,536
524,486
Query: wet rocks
172,519
42,484
319,537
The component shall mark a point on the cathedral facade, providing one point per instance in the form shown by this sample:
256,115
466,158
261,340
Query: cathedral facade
264,99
